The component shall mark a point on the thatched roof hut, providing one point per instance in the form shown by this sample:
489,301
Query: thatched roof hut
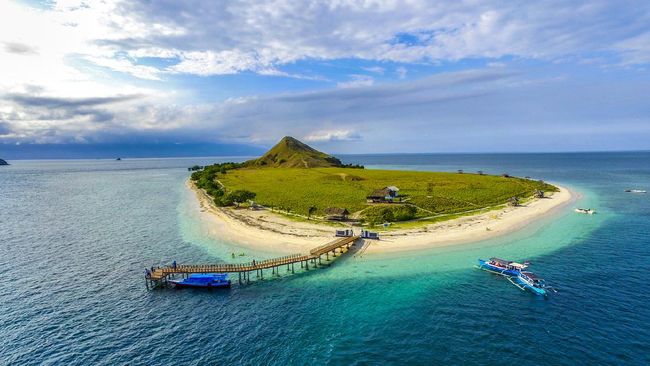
336,213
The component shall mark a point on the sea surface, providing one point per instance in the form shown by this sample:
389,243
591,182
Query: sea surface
76,235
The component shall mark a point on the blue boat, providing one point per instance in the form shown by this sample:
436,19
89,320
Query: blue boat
501,266
529,281
218,280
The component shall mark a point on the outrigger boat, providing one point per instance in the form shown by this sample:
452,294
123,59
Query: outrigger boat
588,211
219,280
501,266
529,281
636,191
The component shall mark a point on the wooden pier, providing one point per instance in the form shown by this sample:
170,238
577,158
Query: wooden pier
159,276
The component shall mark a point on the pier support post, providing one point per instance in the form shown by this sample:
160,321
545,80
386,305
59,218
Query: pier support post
292,268
307,265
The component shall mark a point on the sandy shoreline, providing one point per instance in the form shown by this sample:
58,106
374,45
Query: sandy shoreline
266,231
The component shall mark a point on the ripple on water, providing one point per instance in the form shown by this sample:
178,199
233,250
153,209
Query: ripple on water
77,235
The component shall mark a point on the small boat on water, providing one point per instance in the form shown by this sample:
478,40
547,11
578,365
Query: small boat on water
528,281
636,191
501,266
588,211
218,280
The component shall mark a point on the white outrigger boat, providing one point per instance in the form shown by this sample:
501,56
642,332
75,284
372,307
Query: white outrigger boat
588,211
635,191
528,281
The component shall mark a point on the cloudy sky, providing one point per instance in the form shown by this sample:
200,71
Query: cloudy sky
347,76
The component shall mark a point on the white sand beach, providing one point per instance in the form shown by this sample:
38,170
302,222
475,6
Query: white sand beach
267,231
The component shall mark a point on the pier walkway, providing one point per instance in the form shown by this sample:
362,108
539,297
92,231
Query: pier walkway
159,276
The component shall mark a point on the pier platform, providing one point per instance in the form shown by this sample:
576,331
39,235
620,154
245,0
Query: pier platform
159,276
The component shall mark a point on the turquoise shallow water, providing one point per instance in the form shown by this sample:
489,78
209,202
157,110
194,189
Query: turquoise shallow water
76,236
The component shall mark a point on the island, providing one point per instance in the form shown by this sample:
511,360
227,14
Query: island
3,162
294,195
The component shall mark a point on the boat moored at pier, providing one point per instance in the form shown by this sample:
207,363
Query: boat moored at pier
218,280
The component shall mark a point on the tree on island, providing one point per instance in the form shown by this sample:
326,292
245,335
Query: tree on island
311,211
238,197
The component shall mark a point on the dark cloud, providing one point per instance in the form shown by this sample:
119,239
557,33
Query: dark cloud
19,48
54,102
5,129
258,35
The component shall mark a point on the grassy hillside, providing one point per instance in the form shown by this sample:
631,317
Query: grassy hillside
291,153
431,192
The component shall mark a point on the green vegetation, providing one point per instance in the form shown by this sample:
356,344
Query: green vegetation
279,180
207,179
428,193
378,214
291,153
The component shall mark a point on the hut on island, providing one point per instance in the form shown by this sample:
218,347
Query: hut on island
336,213
392,191
513,201
386,194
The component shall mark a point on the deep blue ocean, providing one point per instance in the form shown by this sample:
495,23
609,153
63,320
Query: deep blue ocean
76,235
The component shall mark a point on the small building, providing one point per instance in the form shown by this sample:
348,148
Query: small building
365,234
539,193
336,213
378,195
392,191
345,233
387,194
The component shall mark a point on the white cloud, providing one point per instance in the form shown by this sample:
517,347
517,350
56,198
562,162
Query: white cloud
210,63
375,69
333,135
71,51
357,81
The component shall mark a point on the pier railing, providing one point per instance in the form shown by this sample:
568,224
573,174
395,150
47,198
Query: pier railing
160,274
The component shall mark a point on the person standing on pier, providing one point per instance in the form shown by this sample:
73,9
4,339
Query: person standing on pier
174,264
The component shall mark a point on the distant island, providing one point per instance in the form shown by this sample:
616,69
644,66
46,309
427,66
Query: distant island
298,191
3,162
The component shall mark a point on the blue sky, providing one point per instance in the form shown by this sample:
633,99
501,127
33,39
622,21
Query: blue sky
345,76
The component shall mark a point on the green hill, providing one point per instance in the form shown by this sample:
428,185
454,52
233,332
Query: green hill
291,153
